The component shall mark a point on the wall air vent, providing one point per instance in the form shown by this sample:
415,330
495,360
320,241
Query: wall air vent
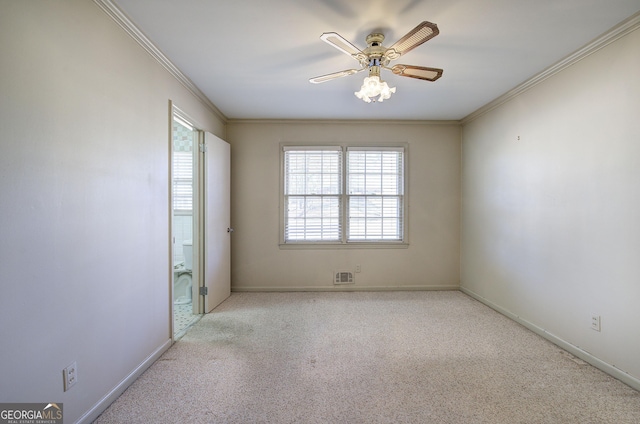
343,277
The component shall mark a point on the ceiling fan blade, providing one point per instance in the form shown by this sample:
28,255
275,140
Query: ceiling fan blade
340,43
329,77
423,32
419,72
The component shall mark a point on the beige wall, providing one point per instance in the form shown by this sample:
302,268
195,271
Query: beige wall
430,261
551,207
84,237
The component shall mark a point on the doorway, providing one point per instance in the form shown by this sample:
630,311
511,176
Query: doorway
200,222
185,258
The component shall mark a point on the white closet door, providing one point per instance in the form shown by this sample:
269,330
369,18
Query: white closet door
217,221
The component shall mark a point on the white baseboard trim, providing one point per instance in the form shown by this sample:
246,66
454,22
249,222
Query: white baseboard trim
574,350
342,288
108,399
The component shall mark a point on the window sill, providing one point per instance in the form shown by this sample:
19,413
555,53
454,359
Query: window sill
351,245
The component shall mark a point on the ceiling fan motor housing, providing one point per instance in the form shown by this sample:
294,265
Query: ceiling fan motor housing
375,50
374,38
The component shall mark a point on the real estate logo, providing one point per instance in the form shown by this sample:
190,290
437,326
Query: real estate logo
31,413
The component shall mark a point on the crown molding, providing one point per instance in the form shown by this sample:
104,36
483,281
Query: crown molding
130,28
623,28
344,121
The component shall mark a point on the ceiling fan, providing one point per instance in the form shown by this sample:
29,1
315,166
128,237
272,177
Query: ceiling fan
376,57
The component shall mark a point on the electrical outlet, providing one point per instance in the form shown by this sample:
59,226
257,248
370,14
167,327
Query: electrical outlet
595,322
70,375
358,269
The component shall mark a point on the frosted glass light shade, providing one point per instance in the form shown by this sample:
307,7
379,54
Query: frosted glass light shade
372,87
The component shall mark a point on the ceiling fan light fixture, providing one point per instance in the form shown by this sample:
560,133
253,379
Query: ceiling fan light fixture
373,87
377,56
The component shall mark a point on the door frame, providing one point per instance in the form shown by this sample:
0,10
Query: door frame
196,273
211,224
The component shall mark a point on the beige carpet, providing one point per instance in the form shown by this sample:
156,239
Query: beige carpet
368,357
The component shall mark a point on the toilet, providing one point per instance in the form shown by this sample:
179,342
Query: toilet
182,276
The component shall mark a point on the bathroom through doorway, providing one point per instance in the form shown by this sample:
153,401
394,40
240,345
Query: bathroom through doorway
186,309
200,222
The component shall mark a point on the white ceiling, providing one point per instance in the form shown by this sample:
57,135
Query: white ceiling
253,58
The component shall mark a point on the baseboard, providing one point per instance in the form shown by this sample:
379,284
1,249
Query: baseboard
108,399
343,287
574,350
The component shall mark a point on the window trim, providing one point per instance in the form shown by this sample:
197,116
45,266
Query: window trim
344,243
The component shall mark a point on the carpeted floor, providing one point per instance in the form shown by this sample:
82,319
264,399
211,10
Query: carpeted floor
368,357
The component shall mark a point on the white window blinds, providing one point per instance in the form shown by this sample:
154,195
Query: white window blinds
375,190
352,197
183,181
312,193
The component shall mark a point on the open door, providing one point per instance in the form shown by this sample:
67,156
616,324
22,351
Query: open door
216,221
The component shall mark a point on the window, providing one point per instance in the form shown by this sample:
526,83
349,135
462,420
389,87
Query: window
183,137
182,181
335,194
313,188
375,191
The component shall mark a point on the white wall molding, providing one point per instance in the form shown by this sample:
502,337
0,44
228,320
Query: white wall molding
110,397
625,27
342,288
343,122
574,350
130,28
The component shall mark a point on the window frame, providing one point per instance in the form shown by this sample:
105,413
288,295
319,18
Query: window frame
343,242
